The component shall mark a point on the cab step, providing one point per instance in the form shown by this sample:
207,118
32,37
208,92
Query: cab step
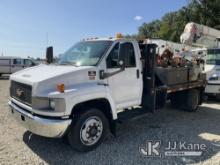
130,115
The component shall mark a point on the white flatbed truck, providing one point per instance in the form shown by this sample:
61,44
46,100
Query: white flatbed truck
96,84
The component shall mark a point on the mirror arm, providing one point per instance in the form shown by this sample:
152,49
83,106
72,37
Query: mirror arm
104,75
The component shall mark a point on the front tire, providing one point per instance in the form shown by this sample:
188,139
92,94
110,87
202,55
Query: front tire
88,130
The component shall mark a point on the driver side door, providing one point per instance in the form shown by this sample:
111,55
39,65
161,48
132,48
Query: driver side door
124,86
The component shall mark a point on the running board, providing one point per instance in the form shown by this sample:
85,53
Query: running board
130,115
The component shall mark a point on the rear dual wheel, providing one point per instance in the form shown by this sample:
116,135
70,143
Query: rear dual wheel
218,97
187,100
192,100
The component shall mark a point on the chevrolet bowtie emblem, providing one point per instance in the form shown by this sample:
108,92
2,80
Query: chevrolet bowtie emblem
19,92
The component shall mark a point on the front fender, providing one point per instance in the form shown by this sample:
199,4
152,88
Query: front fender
87,92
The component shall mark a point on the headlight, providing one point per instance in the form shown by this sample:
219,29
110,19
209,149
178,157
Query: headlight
58,105
55,104
52,104
214,77
40,103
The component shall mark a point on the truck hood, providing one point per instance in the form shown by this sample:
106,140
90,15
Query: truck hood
210,70
44,72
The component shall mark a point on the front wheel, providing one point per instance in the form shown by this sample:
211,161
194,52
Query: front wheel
88,130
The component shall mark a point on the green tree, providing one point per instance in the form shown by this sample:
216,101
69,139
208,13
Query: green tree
149,30
172,24
207,12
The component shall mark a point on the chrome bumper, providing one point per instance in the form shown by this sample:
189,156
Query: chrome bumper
41,126
212,89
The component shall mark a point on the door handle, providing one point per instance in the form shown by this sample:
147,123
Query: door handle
138,73
103,74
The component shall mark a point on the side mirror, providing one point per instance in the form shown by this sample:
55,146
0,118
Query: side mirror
122,53
49,55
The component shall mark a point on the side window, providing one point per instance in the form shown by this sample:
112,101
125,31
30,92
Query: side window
17,62
27,62
5,62
130,56
112,59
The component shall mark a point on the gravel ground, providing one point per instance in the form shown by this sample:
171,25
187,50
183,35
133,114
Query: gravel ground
18,146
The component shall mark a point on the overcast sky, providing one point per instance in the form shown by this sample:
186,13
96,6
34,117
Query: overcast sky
25,24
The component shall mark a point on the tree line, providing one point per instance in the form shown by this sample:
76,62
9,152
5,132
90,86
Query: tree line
171,25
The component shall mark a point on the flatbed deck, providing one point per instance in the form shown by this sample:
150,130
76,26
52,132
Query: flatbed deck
185,86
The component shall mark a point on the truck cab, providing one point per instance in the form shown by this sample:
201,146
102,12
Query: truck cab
96,83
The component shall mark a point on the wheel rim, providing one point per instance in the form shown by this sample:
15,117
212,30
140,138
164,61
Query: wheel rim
91,131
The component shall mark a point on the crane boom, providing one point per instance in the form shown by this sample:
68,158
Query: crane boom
200,35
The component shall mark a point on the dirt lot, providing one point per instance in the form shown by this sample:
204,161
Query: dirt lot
18,146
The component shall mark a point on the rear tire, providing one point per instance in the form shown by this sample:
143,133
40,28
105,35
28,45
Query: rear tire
186,100
88,130
176,99
218,97
192,100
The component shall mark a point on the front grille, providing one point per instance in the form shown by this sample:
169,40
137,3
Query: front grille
21,92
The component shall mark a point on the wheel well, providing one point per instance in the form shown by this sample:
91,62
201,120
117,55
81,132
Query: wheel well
101,104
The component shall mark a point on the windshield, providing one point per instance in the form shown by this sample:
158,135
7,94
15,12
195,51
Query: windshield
86,53
213,57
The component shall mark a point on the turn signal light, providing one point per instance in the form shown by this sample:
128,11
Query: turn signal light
119,35
61,88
